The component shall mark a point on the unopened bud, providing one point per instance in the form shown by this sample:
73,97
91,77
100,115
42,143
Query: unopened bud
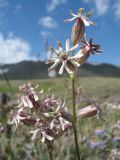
88,111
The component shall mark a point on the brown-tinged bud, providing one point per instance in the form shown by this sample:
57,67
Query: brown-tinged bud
78,31
82,20
29,120
84,57
87,49
88,111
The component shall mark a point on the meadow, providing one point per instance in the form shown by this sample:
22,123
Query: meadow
96,137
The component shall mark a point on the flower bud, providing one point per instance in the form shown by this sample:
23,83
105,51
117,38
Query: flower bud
78,31
88,111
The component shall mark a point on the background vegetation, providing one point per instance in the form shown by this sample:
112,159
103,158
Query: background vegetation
18,145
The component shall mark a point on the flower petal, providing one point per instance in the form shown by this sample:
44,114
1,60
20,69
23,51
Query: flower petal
78,55
63,123
52,124
57,61
75,63
34,133
47,136
92,23
73,48
69,20
62,68
74,15
67,44
89,14
23,99
29,102
86,21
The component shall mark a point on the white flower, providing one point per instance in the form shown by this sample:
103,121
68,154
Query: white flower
83,16
64,123
78,30
29,96
16,117
63,57
46,136
87,48
43,134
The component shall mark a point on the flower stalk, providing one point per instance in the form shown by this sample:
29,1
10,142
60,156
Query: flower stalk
50,149
9,149
74,117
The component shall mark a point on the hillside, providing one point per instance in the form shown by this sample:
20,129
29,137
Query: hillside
33,70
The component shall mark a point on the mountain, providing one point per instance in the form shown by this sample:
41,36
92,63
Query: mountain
34,70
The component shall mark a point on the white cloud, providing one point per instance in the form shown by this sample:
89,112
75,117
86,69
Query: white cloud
18,8
102,6
116,8
54,4
47,22
13,49
45,33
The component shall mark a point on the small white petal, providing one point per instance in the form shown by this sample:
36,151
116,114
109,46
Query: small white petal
69,20
73,48
20,105
21,109
57,61
46,114
43,139
79,54
47,136
36,97
63,123
36,86
75,63
34,133
58,108
92,23
86,21
29,102
52,124
74,15
23,98
41,91
67,44
62,68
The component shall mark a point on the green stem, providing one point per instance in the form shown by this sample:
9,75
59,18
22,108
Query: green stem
10,153
73,99
50,150
50,155
75,117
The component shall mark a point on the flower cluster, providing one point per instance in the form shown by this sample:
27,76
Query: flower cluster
49,117
64,57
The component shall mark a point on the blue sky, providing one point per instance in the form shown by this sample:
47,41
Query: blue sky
24,25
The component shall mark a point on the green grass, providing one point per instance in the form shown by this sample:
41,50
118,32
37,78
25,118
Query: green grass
101,88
